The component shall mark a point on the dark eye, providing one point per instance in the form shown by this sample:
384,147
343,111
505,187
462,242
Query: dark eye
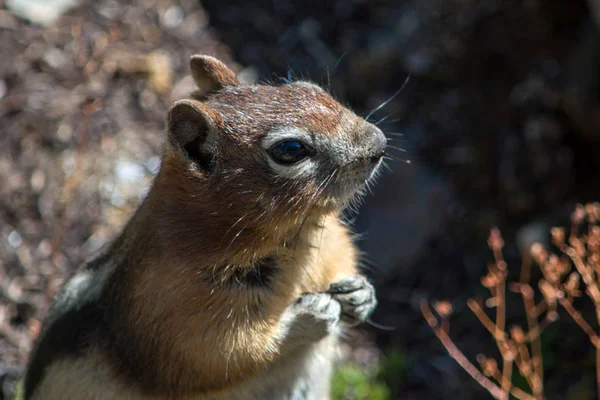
289,152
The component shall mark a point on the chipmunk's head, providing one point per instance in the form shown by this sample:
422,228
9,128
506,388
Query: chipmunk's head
288,149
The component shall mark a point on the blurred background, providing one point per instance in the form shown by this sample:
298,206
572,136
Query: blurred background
500,121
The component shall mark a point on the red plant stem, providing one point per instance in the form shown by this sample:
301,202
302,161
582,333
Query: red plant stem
533,326
531,335
579,320
593,291
525,268
482,316
515,391
457,355
446,324
506,376
500,302
525,365
521,395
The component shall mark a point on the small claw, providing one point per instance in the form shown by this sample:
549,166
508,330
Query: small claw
348,284
356,296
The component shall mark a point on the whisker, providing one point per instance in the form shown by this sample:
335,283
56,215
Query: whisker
392,97
259,216
235,237
236,222
397,140
385,119
320,240
338,62
382,120
397,148
369,188
391,121
312,202
390,157
318,192
386,166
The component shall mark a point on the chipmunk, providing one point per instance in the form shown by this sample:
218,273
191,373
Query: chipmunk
235,276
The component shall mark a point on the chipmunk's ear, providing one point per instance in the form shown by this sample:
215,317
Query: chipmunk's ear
211,74
189,124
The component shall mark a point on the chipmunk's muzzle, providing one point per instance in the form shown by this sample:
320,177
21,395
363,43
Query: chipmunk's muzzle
375,152
357,161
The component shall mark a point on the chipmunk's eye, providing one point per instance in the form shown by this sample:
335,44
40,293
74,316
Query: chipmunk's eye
289,152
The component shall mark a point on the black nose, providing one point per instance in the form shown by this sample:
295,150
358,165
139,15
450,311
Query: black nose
378,146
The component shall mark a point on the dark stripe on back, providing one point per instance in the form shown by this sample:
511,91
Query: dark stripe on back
72,324
68,336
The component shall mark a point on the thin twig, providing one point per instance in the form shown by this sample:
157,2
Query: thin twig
525,365
521,395
525,274
593,291
506,376
531,335
500,304
579,320
515,391
457,355
482,316
533,326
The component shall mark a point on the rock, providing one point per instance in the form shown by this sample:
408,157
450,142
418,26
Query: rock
173,17
15,239
42,12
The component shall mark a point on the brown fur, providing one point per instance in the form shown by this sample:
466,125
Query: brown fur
183,239
237,335
209,74
176,324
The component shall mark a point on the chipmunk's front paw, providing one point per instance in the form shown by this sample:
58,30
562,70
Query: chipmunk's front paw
320,309
309,319
356,296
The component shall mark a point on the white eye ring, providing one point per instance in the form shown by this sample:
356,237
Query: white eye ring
286,134
301,169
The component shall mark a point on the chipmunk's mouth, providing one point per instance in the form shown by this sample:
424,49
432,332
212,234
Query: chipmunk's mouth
352,181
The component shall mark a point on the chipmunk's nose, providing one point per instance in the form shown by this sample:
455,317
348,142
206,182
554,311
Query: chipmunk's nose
379,142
